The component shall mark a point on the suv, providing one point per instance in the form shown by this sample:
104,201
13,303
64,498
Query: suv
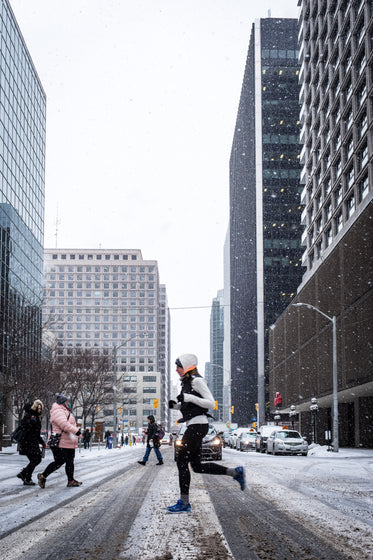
262,436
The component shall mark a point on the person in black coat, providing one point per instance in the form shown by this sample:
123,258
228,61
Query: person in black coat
151,437
31,440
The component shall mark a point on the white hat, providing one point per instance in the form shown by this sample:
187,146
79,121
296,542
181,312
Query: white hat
187,361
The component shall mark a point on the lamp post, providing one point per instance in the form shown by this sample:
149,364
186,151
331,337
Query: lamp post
229,393
335,443
114,357
314,409
292,415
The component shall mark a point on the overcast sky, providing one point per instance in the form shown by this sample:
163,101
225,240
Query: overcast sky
142,98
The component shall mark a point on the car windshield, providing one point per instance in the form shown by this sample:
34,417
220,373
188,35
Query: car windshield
285,435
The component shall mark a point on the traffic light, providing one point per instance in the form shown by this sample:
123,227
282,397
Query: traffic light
156,403
216,405
121,409
130,422
254,424
232,409
119,427
256,406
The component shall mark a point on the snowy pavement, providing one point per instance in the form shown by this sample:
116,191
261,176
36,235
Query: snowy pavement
330,493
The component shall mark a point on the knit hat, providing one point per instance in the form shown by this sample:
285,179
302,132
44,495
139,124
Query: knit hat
61,399
187,361
35,405
151,418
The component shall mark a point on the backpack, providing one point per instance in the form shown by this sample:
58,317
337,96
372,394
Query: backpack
17,435
159,432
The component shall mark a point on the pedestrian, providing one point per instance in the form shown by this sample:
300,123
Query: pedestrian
107,435
194,401
86,438
63,422
31,440
133,440
152,442
126,440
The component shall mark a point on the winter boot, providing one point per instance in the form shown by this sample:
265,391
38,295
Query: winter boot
160,462
142,463
73,483
41,480
21,476
29,483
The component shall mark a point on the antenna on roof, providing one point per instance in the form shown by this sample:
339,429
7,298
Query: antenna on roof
58,221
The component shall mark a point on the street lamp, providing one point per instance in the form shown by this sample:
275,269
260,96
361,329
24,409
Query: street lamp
114,358
314,410
230,407
292,415
333,320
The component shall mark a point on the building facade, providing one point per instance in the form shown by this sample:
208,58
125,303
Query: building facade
215,377
22,170
111,301
337,122
264,230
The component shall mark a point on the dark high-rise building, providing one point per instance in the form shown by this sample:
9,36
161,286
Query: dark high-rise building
265,230
336,77
22,165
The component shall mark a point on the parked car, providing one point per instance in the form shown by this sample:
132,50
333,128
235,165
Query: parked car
287,442
167,439
225,438
246,441
234,435
262,435
212,444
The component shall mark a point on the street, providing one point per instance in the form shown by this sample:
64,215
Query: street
315,507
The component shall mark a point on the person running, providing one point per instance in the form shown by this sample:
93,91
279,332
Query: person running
151,437
194,401
63,422
31,440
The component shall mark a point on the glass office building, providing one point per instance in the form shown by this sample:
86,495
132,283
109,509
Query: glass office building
22,169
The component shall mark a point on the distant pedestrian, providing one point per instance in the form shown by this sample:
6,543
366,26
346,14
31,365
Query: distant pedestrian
152,442
126,440
133,440
106,436
86,438
194,401
63,422
31,440
144,438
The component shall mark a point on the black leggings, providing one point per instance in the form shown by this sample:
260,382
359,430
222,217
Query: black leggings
34,457
190,452
62,455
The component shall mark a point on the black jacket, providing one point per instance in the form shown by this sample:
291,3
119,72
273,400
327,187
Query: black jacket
31,426
150,434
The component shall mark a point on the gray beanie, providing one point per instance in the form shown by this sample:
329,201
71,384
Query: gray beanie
61,399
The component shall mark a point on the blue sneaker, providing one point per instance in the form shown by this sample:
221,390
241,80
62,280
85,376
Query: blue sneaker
240,477
179,507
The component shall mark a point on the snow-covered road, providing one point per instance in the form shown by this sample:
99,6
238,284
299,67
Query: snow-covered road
329,494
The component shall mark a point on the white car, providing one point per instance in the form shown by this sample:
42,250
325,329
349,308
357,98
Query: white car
287,442
234,435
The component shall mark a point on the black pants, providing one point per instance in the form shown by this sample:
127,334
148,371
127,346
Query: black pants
190,452
35,458
62,456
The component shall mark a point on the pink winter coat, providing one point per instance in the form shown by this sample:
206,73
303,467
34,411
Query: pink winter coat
61,423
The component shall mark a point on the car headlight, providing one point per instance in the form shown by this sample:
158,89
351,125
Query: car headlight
216,441
178,442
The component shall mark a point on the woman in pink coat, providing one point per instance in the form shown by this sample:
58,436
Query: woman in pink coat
63,422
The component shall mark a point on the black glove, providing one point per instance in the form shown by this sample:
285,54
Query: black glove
78,433
171,404
180,398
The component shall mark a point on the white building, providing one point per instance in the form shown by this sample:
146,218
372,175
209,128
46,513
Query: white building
110,300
